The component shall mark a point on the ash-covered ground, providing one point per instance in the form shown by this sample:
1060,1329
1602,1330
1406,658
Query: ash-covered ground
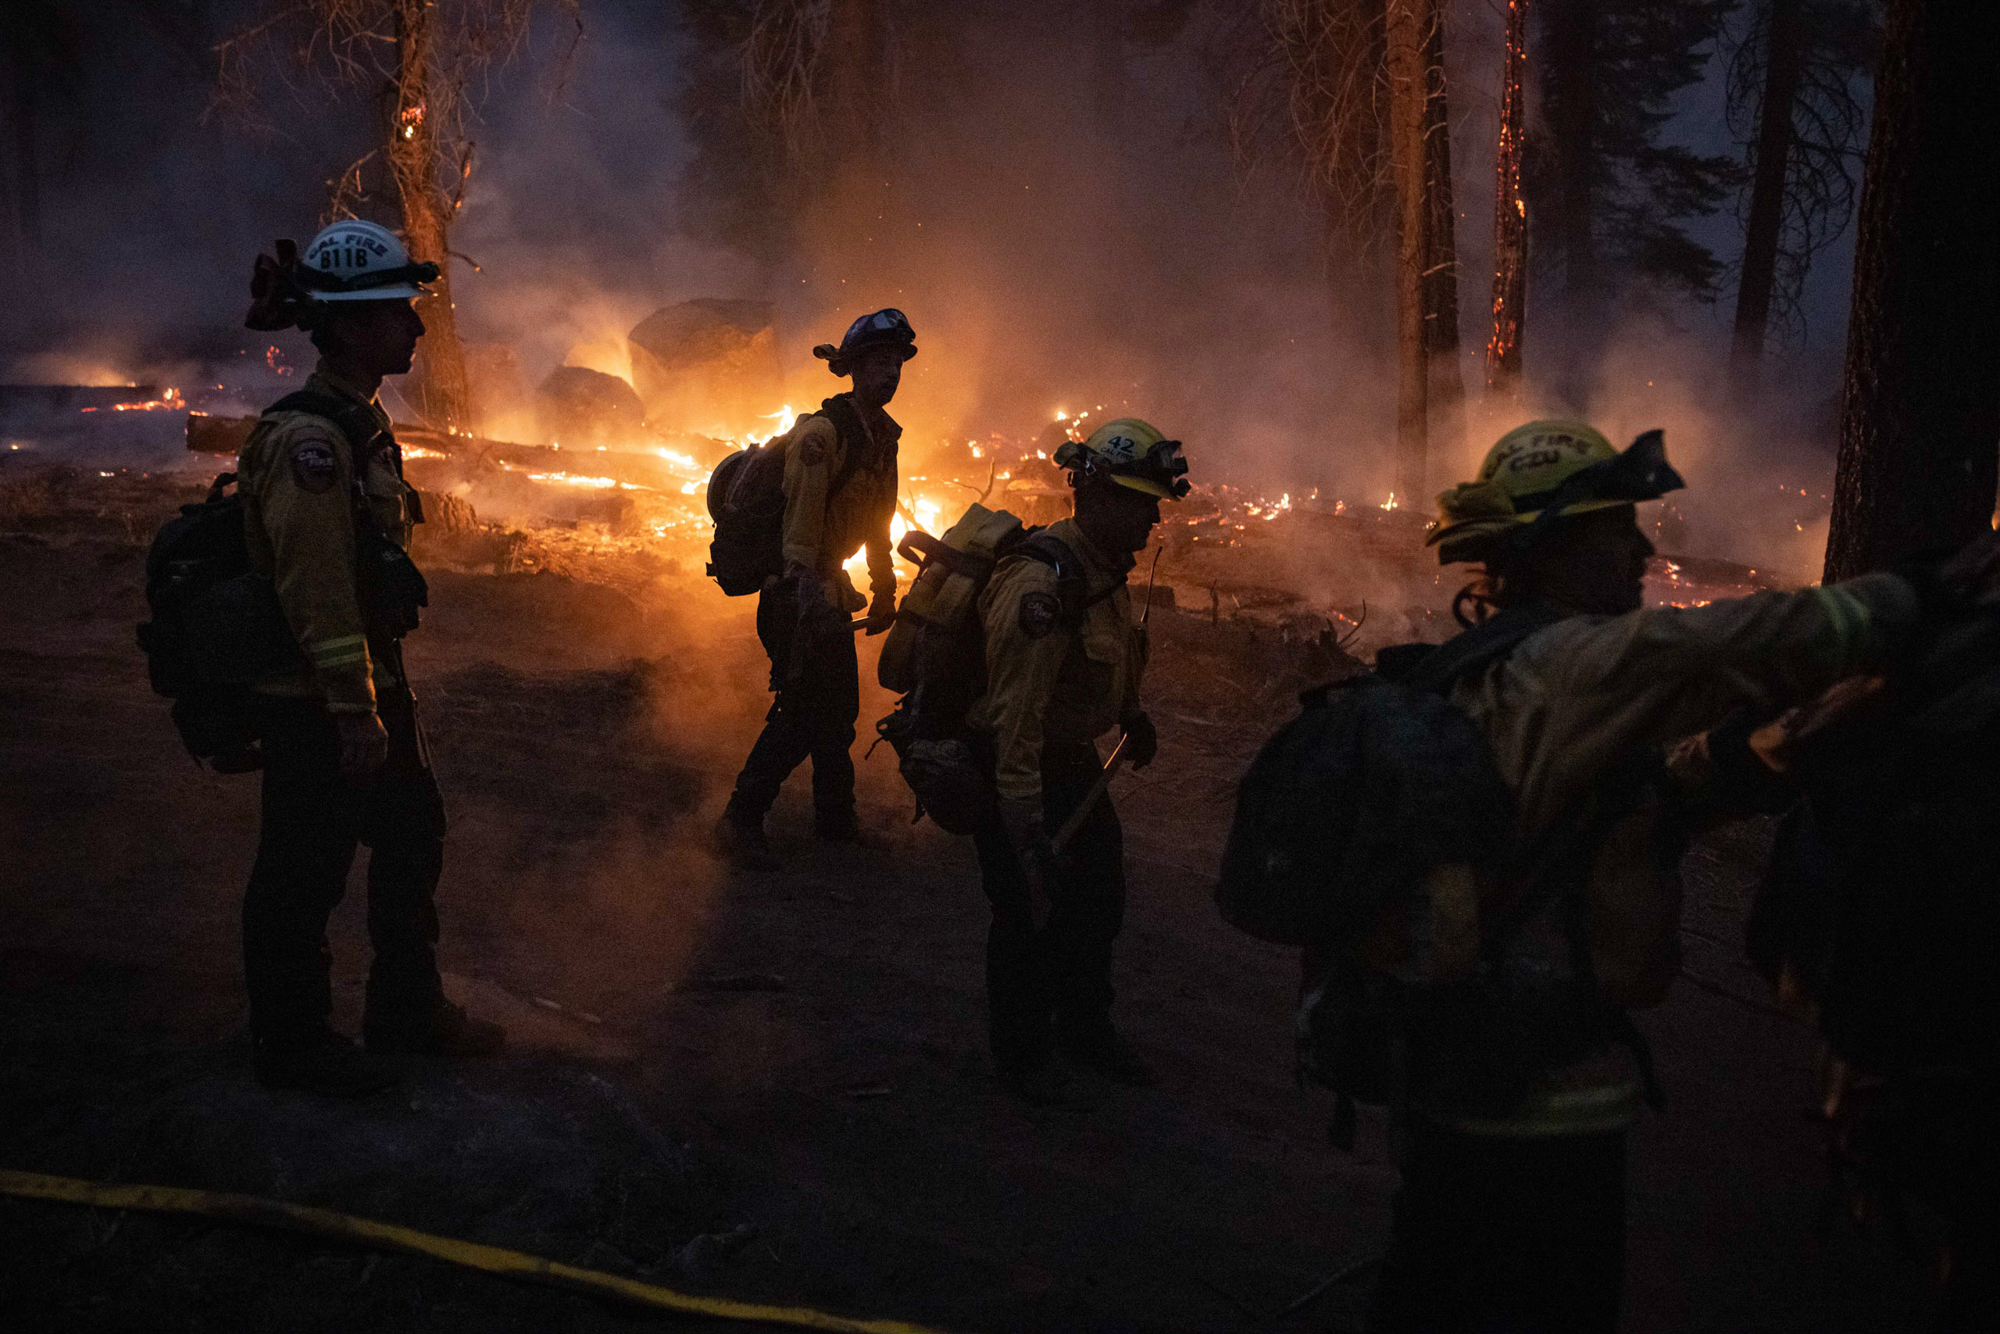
695,1051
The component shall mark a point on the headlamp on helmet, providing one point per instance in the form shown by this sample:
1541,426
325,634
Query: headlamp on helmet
1132,453
350,260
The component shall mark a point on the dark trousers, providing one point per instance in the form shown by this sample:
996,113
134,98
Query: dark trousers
1057,974
312,821
1505,1236
818,688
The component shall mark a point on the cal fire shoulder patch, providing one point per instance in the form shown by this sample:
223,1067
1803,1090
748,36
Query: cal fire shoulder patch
313,467
812,452
1040,613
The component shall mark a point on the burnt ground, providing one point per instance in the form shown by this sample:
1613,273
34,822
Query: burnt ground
798,1051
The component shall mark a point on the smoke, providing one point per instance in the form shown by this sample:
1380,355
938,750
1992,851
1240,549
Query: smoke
1061,216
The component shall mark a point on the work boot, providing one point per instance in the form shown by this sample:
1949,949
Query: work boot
330,1066
447,1031
1102,1049
743,843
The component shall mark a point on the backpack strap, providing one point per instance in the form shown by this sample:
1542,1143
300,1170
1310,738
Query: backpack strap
853,436
1478,648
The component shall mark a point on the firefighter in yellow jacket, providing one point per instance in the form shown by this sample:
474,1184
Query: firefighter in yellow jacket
840,494
327,518
1511,1214
1064,657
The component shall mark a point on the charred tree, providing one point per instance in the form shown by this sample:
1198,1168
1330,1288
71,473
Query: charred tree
1920,408
1430,391
418,58
1439,274
1510,216
415,157
1407,86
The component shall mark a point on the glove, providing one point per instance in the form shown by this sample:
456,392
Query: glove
364,745
1142,740
881,613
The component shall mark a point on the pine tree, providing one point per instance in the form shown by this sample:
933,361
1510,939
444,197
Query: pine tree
1792,104
1606,193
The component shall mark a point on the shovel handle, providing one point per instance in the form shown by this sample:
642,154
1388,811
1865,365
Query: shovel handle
1090,798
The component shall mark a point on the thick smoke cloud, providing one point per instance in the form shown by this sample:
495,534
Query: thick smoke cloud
1066,225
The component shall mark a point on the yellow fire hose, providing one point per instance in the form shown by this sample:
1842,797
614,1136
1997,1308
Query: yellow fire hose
255,1212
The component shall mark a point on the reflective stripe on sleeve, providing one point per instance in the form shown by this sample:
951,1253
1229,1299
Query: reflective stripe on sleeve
340,652
1849,617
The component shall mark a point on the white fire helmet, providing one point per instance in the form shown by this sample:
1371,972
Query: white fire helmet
361,261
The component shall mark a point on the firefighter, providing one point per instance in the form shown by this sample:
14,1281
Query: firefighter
1511,1213
1064,656
840,494
327,516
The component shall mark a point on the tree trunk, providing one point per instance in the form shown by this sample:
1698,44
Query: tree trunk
413,153
1920,410
1569,84
1407,87
1784,57
1510,217
1444,378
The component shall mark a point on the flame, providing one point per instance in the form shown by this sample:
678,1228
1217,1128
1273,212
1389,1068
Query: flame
1390,503
786,419
171,401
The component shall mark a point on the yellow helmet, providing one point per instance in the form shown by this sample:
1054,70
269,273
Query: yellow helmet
1540,472
1131,453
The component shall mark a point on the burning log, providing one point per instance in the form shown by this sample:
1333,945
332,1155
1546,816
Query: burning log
64,398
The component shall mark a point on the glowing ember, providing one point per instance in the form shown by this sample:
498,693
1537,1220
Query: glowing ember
171,401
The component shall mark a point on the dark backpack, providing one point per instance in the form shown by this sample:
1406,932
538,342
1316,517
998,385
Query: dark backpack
1342,822
746,501
938,659
1881,906
216,626
1883,895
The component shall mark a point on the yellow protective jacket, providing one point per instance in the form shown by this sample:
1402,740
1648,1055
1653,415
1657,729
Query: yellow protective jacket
295,474
1049,681
1574,700
824,527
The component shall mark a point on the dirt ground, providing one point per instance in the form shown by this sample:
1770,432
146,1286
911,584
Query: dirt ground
800,1051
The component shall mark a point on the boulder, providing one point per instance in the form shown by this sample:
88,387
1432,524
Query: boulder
708,367
582,409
